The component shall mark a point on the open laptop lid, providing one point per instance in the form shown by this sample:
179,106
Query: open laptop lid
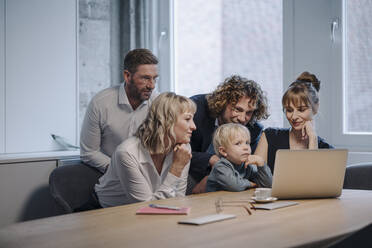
309,173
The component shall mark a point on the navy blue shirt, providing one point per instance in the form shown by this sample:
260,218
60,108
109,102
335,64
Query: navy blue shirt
278,138
202,137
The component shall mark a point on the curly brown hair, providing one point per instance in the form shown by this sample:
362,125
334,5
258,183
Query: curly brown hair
232,90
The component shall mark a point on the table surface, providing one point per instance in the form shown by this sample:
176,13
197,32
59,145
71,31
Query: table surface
312,222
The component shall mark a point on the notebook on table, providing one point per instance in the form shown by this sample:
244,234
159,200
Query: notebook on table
151,210
207,219
301,174
275,205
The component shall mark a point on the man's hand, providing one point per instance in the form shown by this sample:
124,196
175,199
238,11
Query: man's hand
201,186
213,160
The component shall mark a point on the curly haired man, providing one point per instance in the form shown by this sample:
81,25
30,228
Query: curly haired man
236,100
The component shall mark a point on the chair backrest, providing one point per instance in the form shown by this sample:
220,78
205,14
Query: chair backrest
358,176
71,185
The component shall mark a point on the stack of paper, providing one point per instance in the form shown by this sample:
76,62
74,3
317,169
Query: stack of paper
152,210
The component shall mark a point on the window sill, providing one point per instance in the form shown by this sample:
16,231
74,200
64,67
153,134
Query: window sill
40,156
359,157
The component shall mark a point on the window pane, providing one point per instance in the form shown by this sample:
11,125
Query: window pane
358,66
215,39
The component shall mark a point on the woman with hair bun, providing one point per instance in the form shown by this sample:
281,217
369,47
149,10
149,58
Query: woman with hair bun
300,104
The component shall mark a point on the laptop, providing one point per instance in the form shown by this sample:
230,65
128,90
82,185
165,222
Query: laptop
301,174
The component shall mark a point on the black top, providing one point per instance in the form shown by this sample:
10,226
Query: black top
278,138
202,137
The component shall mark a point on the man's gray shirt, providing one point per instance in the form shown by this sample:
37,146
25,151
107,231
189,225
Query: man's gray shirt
109,120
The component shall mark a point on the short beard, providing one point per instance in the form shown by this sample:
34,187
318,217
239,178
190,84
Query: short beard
133,91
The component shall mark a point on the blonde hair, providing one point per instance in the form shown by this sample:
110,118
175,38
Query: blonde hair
225,133
156,132
304,90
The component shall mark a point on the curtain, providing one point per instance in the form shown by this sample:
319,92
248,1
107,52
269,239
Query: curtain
134,26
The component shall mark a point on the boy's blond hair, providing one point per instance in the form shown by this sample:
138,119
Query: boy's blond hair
225,133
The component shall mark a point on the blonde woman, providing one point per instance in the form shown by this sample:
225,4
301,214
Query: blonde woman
300,105
153,164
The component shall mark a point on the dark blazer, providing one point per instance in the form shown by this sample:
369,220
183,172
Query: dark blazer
278,138
202,137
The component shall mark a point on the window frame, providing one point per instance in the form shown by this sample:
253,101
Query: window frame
161,41
355,141
330,120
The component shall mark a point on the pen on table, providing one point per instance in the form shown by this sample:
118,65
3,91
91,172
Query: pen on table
164,206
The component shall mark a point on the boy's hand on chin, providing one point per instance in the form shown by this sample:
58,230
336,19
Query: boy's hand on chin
254,159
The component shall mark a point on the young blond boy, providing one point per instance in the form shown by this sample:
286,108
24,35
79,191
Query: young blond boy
237,169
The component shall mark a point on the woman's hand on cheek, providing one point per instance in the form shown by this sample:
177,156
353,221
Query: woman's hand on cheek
308,130
181,156
311,135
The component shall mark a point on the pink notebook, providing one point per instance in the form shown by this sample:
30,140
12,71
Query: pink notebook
151,210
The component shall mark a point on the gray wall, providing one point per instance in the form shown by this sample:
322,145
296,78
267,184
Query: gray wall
99,46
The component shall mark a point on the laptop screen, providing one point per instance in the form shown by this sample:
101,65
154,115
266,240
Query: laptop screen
309,173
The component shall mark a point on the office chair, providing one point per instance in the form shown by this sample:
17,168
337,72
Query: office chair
358,176
71,185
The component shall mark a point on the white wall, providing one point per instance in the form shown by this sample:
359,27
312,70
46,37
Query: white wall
2,76
38,96
40,85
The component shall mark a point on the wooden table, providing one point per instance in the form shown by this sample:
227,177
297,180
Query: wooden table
311,223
